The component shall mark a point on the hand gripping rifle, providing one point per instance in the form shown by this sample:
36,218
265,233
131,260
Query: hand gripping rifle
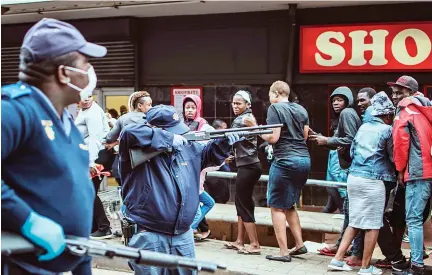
13,244
139,155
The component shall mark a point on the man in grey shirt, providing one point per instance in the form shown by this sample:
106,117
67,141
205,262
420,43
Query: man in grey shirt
93,125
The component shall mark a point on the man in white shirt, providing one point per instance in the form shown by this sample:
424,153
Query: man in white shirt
93,125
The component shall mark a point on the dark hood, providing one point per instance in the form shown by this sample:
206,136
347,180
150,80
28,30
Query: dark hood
344,92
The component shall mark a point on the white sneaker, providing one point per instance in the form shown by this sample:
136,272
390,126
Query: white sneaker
339,265
370,271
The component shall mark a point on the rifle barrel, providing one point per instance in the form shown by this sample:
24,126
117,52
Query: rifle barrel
243,134
14,244
223,131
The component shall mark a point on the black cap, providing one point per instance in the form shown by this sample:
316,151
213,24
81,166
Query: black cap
406,82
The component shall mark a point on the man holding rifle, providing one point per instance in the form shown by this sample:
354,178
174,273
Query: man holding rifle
161,195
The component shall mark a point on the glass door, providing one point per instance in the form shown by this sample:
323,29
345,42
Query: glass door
117,99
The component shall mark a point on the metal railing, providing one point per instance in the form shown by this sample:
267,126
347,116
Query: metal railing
265,178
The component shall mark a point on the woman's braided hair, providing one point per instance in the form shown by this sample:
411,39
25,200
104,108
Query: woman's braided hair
135,98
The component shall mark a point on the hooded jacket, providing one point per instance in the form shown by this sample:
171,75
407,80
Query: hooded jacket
348,124
198,122
412,136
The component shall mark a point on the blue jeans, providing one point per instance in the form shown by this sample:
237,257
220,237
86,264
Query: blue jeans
180,245
208,203
418,192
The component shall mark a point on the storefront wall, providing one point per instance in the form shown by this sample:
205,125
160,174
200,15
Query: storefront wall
118,35
224,53
314,89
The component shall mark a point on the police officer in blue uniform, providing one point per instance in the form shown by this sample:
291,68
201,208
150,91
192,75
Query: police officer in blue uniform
162,195
46,190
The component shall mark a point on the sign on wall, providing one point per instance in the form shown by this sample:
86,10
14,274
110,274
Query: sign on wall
178,93
366,48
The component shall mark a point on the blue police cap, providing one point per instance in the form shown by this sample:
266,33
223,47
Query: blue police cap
50,38
166,117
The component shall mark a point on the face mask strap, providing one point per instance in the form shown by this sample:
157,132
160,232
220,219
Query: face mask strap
76,70
75,87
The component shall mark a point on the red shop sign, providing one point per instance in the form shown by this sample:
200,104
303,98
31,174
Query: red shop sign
366,48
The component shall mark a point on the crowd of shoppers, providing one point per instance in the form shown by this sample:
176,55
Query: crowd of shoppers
360,154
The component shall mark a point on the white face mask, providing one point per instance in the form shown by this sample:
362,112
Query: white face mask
88,90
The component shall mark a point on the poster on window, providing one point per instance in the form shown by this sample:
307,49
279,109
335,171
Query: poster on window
179,93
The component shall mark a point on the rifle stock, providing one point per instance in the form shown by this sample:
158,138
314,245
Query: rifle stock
13,244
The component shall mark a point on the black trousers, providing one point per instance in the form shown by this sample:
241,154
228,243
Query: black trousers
218,189
100,220
388,240
247,177
334,201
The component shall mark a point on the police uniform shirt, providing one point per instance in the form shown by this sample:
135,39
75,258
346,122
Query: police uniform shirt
44,169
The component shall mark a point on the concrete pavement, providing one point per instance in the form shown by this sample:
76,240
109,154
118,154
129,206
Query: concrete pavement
213,250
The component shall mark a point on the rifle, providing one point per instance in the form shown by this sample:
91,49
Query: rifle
139,155
12,244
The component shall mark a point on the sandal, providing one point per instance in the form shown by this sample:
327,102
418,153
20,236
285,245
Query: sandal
326,251
296,252
208,234
244,251
285,259
231,246
198,239
352,263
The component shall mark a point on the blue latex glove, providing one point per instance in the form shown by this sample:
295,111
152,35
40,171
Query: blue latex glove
233,138
179,141
46,234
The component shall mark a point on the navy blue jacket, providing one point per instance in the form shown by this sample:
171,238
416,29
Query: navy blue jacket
43,170
162,194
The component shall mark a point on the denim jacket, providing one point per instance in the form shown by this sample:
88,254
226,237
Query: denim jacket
372,151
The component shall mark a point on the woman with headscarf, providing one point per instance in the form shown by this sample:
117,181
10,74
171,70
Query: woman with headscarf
248,173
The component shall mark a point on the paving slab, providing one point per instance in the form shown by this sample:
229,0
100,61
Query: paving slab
212,250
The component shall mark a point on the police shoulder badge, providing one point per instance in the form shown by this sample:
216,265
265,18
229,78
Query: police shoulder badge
48,129
175,116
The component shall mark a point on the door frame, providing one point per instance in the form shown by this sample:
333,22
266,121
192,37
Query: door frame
103,92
